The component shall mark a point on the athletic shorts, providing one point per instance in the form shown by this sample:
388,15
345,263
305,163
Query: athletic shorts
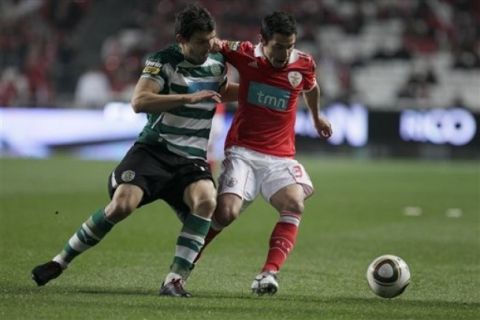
247,173
160,173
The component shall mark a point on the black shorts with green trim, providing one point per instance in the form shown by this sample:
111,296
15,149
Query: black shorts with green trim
160,173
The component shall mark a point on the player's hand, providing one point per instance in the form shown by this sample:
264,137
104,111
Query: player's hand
216,45
323,126
205,95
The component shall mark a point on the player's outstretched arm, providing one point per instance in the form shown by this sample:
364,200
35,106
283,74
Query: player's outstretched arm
312,99
217,45
230,92
147,99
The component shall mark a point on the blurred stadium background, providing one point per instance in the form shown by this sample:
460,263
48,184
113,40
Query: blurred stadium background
398,78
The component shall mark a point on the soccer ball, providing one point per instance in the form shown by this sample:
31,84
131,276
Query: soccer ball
388,276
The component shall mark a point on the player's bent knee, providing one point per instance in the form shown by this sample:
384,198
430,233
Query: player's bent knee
205,206
201,197
293,206
225,215
121,206
118,210
126,199
298,207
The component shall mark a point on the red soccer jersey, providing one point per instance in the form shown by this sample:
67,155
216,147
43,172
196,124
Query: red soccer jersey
267,100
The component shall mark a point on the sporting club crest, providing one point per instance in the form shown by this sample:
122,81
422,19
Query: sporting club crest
215,70
128,175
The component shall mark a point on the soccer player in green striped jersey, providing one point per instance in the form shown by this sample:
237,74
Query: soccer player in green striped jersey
178,89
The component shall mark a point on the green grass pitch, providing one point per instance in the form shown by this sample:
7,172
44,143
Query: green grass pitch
356,214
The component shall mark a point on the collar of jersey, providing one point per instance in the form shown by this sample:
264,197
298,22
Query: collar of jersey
177,49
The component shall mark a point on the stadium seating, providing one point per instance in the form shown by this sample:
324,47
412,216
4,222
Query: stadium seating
375,52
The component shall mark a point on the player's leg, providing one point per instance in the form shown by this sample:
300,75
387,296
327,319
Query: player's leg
197,203
237,188
200,197
126,187
126,198
289,203
228,209
286,189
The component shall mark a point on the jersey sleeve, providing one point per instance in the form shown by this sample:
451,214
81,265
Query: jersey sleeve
153,70
224,78
235,50
310,75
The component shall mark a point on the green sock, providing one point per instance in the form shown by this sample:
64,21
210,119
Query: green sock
189,243
90,233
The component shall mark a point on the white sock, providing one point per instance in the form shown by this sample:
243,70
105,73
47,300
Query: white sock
172,276
58,258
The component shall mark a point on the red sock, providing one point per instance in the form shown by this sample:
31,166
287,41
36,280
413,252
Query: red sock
282,240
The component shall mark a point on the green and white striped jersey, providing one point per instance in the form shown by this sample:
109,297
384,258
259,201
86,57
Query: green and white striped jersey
183,130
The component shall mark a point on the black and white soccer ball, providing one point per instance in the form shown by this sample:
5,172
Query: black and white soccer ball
388,276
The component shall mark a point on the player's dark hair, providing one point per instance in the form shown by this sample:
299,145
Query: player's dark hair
278,22
193,18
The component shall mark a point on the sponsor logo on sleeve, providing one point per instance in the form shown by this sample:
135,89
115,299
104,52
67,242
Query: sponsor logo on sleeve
151,70
151,63
152,67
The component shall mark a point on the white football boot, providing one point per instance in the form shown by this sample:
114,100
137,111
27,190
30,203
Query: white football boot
265,282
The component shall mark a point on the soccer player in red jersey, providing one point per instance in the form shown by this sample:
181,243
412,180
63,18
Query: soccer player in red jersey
260,145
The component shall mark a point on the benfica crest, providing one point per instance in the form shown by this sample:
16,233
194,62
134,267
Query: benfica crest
295,78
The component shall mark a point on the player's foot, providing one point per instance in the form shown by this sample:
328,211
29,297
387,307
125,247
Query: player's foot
265,282
45,272
174,289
